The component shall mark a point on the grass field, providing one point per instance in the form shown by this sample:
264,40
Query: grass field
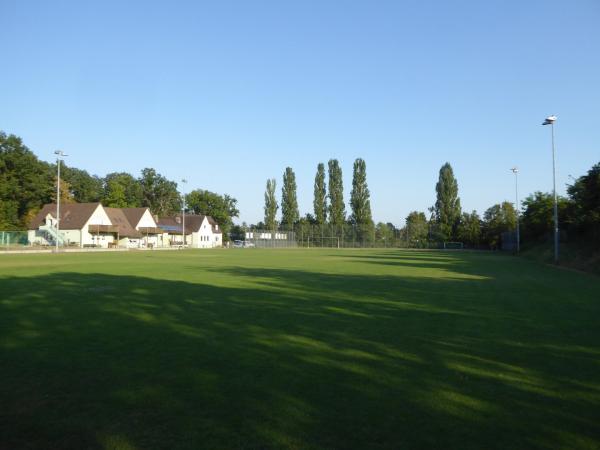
298,349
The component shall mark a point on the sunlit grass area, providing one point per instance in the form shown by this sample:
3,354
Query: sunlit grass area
297,349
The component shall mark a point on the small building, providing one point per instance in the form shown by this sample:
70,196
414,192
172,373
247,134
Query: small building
125,236
200,231
141,219
81,225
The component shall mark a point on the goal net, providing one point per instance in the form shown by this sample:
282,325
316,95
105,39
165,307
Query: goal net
453,245
323,241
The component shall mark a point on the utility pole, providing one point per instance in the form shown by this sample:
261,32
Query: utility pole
59,154
550,121
515,170
184,181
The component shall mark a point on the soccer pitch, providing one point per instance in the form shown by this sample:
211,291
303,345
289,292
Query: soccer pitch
297,349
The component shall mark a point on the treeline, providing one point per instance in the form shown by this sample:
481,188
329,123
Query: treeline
26,184
445,221
579,218
328,203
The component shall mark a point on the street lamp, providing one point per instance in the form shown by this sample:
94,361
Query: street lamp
515,170
550,121
184,181
59,154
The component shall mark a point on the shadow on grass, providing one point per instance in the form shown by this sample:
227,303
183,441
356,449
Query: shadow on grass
294,360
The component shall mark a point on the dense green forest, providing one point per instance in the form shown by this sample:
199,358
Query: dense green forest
27,183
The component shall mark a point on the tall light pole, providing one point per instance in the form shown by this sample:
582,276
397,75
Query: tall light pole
515,170
550,121
59,154
184,181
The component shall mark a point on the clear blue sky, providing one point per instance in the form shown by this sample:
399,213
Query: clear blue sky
227,94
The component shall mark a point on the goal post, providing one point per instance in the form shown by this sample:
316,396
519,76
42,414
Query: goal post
453,246
324,241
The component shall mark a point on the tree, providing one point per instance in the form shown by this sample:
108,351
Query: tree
337,209
360,201
66,196
537,219
469,229
25,182
114,194
417,229
385,234
222,208
497,220
159,194
447,205
289,201
271,205
83,187
122,190
585,195
320,195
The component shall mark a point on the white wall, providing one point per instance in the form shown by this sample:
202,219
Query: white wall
205,238
146,221
98,217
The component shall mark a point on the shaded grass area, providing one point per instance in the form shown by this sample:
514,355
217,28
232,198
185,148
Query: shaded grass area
584,255
298,349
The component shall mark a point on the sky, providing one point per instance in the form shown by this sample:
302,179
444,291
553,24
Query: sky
228,94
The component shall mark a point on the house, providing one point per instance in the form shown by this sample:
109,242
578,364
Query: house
81,225
141,219
126,236
92,225
200,231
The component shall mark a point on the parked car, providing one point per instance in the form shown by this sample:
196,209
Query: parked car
248,244
238,244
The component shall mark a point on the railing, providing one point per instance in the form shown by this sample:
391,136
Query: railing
51,231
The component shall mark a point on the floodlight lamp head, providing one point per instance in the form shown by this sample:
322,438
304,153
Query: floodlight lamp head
60,153
549,120
515,169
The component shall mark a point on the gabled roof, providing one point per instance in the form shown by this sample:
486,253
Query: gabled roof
119,219
73,216
193,222
134,215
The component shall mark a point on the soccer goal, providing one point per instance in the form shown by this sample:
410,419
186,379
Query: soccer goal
323,241
453,246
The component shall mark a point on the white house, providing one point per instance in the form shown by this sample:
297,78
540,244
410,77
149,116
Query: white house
141,219
81,225
200,231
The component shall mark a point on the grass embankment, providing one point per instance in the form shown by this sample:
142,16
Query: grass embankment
299,349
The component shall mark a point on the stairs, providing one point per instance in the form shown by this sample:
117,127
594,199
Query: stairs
52,235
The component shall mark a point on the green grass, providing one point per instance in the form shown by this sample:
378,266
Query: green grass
298,349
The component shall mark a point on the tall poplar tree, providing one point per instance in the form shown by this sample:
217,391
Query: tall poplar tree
337,209
271,206
289,200
360,201
447,206
320,195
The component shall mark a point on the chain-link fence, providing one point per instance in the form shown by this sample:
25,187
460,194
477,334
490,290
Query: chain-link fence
338,236
13,240
270,239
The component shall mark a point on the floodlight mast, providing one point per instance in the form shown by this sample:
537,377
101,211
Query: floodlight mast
515,170
59,154
184,181
550,121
